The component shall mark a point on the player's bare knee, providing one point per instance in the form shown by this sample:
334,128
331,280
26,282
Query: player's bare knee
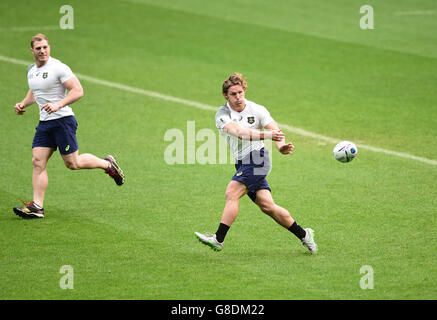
37,163
268,207
71,165
231,196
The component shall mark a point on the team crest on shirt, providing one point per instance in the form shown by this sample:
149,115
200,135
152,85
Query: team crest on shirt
44,75
250,120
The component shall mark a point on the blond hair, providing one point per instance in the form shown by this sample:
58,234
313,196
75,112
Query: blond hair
233,80
38,37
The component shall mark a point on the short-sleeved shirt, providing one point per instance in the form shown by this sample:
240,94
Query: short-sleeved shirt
253,116
46,85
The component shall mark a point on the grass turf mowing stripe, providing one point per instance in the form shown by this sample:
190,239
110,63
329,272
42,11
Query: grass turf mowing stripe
199,105
30,28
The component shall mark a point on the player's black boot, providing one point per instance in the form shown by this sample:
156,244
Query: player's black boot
29,211
114,170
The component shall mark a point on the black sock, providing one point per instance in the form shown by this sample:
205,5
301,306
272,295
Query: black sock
297,230
221,232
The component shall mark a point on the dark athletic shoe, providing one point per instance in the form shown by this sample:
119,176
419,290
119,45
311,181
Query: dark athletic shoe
114,170
30,211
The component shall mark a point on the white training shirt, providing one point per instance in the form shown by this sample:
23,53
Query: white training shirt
46,85
253,116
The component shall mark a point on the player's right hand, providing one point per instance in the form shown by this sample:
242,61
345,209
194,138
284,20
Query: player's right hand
19,108
277,135
287,148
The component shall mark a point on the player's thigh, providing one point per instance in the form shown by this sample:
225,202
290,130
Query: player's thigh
40,155
235,190
264,200
71,160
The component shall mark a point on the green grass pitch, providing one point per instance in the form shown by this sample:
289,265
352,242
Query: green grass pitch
312,66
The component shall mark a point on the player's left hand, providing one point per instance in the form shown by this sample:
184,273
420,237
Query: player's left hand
287,148
51,107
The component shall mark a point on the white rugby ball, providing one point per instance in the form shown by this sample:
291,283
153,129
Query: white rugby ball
345,151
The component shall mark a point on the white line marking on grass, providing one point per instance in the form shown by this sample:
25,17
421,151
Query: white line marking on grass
198,105
146,92
317,136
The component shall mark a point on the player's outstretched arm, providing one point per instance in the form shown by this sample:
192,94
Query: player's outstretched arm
252,134
75,92
19,107
283,147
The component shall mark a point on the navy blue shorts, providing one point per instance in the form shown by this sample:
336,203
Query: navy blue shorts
59,133
252,172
